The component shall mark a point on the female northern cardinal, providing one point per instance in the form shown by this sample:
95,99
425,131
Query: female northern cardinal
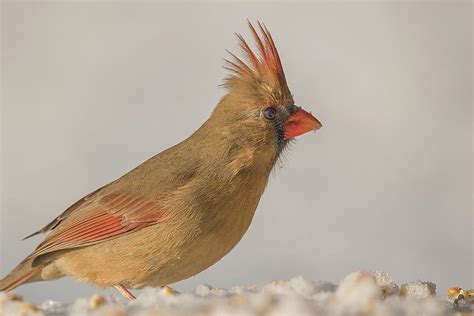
182,210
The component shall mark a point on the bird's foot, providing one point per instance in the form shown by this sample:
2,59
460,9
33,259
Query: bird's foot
129,296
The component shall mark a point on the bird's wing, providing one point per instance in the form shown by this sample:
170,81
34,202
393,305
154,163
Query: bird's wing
99,217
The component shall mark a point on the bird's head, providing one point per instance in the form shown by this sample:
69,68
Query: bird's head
258,99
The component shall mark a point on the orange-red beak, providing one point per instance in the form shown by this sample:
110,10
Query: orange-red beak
300,122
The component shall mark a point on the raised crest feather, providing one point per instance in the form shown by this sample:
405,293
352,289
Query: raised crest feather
261,67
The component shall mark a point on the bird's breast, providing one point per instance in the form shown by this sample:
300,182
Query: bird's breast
201,235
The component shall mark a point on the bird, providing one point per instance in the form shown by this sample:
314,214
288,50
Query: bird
182,210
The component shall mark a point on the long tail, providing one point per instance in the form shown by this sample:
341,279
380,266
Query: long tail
23,273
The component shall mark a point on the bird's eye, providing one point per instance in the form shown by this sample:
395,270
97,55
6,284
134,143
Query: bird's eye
270,113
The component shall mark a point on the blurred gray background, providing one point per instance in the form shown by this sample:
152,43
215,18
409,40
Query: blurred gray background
90,90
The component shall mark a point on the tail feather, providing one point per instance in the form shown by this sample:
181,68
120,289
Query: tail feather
23,273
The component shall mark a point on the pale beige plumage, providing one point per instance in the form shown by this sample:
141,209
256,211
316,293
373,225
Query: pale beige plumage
185,208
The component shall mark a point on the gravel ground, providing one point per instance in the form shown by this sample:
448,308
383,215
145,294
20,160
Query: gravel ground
360,293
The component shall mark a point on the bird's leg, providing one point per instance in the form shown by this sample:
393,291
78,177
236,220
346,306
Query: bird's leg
126,293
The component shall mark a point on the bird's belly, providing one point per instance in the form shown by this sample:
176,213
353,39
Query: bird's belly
167,252
153,256
195,256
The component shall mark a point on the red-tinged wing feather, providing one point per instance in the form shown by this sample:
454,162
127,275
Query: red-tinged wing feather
99,218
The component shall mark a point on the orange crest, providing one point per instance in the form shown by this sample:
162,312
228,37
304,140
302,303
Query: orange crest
262,70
